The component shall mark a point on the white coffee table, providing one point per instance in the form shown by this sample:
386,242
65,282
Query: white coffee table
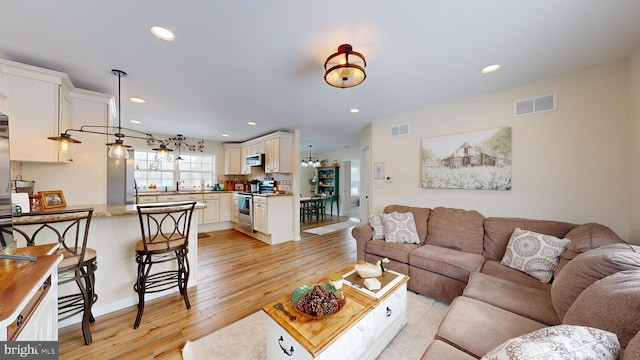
360,330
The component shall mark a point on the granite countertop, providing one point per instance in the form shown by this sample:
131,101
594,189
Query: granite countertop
103,210
182,192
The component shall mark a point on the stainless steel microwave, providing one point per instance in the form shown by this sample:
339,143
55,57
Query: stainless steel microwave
254,160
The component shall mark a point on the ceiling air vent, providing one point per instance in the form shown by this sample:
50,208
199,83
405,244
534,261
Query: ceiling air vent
535,105
400,130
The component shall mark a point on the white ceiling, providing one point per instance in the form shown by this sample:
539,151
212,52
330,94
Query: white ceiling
256,60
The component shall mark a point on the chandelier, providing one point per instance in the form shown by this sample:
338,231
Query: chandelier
310,161
345,68
117,149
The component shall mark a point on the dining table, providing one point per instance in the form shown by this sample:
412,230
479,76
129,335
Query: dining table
306,204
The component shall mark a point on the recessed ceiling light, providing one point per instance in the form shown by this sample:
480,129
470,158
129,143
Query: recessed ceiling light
162,33
490,68
252,123
137,100
354,111
135,121
225,135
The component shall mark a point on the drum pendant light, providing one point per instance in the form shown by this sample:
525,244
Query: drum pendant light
345,68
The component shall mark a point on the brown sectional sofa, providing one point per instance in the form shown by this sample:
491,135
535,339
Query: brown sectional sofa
458,262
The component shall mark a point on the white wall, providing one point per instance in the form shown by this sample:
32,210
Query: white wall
84,180
634,135
569,165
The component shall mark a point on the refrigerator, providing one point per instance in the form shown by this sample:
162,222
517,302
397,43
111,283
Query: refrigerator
121,184
6,221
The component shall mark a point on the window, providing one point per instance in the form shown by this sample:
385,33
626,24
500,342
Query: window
193,171
355,177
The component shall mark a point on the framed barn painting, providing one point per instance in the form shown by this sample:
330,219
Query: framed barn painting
471,160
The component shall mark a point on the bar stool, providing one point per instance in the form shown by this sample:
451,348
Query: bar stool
70,228
165,238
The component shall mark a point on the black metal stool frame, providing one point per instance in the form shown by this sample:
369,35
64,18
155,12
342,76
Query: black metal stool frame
165,231
71,229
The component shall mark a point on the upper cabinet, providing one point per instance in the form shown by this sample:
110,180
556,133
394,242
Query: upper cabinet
278,153
233,160
277,148
38,107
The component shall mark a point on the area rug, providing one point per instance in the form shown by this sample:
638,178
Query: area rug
246,338
321,230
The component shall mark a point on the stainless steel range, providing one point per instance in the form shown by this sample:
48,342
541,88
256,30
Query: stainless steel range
245,211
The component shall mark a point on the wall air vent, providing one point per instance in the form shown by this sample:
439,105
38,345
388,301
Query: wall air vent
535,105
399,130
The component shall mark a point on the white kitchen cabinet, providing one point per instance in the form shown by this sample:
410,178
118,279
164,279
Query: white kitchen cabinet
278,153
232,159
212,211
225,207
38,107
244,152
261,214
184,197
147,199
234,208
257,147
270,217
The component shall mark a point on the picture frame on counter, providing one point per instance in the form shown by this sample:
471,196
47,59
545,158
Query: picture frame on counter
52,199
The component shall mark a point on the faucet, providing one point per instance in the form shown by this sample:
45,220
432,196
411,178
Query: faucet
178,184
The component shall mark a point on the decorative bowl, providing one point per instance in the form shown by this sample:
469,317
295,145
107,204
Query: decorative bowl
317,301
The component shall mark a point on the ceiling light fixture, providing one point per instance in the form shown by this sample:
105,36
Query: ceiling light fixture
252,123
162,33
354,111
135,121
345,68
137,100
310,161
117,148
490,68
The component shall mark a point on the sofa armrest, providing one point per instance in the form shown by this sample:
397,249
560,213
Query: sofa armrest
362,233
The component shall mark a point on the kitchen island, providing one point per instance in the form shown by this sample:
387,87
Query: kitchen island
113,233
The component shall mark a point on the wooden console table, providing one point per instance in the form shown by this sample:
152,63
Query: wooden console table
29,293
361,329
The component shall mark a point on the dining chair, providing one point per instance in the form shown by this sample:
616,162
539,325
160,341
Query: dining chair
70,229
165,238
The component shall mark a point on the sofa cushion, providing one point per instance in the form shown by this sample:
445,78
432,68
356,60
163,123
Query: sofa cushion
632,352
559,343
420,216
400,228
395,251
534,253
456,229
498,230
611,304
532,303
478,327
452,263
586,237
375,220
439,350
589,267
494,268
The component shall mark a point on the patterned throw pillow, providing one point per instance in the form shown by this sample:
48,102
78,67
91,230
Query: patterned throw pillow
559,343
400,228
533,253
376,223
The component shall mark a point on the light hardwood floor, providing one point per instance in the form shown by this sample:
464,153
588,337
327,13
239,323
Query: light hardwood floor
237,275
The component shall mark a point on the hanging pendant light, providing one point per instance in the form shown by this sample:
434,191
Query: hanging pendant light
163,152
310,161
118,149
345,68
